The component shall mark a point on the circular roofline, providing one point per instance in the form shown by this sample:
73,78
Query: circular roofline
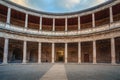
59,14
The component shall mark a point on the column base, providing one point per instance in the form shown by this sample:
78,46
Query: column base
65,62
53,62
4,63
24,63
79,62
114,63
39,62
94,63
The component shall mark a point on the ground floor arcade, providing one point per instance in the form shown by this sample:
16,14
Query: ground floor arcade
98,51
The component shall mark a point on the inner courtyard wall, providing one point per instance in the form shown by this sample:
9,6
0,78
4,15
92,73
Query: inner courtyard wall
97,30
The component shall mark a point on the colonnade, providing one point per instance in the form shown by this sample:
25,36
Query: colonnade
6,47
66,20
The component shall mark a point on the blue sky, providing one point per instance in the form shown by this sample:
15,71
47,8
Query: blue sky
59,6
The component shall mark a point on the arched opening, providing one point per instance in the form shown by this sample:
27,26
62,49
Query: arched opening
17,55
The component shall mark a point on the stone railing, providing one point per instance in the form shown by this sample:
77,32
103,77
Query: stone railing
116,17
102,21
18,29
17,22
3,18
86,25
59,28
2,24
46,28
72,27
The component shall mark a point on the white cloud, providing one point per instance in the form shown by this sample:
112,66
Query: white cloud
59,5
100,1
68,4
26,3
21,2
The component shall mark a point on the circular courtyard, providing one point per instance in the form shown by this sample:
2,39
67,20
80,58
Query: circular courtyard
72,72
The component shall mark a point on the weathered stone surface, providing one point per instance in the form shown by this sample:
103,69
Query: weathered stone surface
57,72
23,72
92,72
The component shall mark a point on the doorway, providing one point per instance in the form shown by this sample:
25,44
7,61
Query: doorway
86,57
60,56
1,54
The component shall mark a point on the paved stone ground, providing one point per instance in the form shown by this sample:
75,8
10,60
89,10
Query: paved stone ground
92,72
57,72
23,72
73,71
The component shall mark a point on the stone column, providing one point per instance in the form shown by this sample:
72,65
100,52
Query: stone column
66,26
26,21
5,55
39,52
93,20
78,22
111,15
40,23
113,56
79,52
66,52
94,52
24,52
8,15
53,24
53,52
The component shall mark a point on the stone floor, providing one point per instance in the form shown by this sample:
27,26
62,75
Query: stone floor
93,72
23,72
59,72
